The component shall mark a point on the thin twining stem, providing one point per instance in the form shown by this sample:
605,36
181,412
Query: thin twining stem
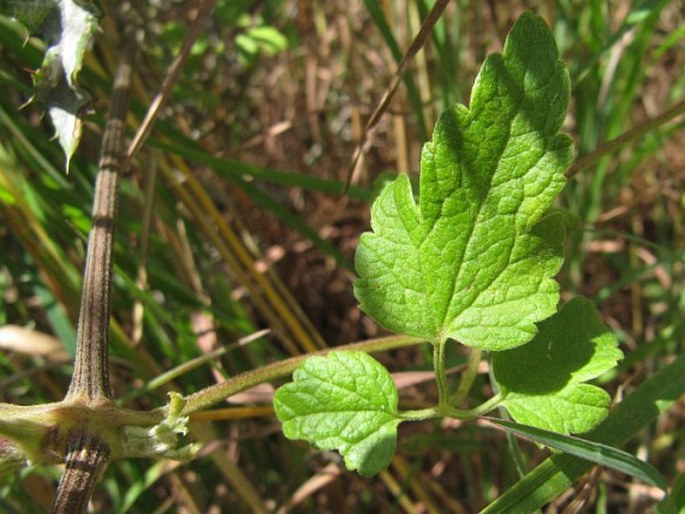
202,10
90,381
219,392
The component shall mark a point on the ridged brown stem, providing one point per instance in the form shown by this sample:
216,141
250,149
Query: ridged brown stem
90,381
86,452
87,456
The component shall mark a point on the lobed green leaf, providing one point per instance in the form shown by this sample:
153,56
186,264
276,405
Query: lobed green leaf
472,261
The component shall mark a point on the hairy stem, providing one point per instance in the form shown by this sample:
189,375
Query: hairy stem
87,453
219,392
87,456
90,381
447,411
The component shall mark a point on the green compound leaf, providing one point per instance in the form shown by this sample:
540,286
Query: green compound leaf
472,261
345,401
542,381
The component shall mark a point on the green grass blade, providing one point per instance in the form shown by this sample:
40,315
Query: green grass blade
590,450
233,170
13,36
638,14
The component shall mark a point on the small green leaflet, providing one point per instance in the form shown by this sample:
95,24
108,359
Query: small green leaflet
473,261
345,401
542,381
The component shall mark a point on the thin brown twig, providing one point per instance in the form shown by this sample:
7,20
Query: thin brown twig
610,146
141,278
203,10
414,47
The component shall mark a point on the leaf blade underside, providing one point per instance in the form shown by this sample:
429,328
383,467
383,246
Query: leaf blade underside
543,381
345,401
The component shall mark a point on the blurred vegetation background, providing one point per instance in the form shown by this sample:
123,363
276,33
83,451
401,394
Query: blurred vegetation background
236,242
